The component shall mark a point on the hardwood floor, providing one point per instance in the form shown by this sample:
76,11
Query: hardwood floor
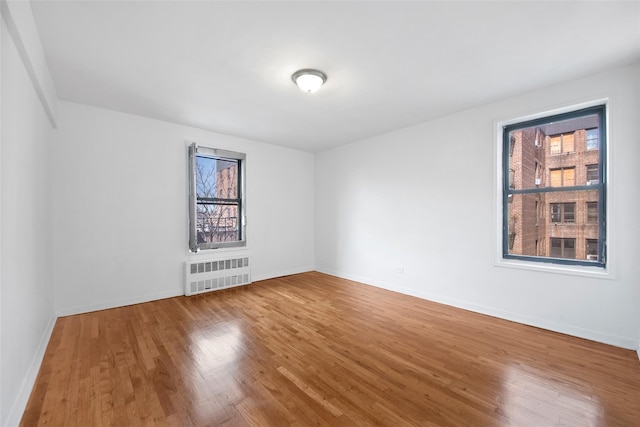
312,349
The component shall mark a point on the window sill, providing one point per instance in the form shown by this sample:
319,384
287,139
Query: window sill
571,270
217,253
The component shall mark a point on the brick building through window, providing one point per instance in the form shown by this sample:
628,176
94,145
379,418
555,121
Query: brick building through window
543,221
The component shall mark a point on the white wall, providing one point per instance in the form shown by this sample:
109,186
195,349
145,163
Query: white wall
120,207
27,314
422,199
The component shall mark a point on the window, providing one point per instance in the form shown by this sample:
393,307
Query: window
563,177
571,186
592,174
563,248
592,139
563,143
592,212
563,212
592,249
216,198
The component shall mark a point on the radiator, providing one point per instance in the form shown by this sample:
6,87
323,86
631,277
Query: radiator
214,274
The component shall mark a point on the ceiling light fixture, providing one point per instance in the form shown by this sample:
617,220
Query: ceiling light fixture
309,80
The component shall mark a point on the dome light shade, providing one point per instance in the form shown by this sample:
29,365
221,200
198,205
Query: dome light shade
309,80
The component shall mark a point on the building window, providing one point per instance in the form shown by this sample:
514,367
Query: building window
563,177
592,174
592,212
592,139
563,212
563,248
562,143
216,198
533,179
591,249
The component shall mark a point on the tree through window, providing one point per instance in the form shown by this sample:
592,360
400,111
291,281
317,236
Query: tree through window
216,202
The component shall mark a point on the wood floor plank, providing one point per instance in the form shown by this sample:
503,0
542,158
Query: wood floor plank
312,349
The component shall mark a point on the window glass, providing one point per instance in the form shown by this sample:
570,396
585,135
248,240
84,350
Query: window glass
592,212
556,212
569,212
592,248
592,174
592,139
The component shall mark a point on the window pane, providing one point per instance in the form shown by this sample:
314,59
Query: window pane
532,154
592,139
569,248
592,211
556,215
592,174
569,212
217,223
216,178
592,250
557,220
563,248
227,179
205,177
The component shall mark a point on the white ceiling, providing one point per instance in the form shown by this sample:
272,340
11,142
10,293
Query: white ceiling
226,66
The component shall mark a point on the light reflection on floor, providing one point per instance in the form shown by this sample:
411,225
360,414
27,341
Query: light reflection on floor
217,346
532,397
216,352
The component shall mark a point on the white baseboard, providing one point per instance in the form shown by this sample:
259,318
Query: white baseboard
69,311
615,340
22,398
